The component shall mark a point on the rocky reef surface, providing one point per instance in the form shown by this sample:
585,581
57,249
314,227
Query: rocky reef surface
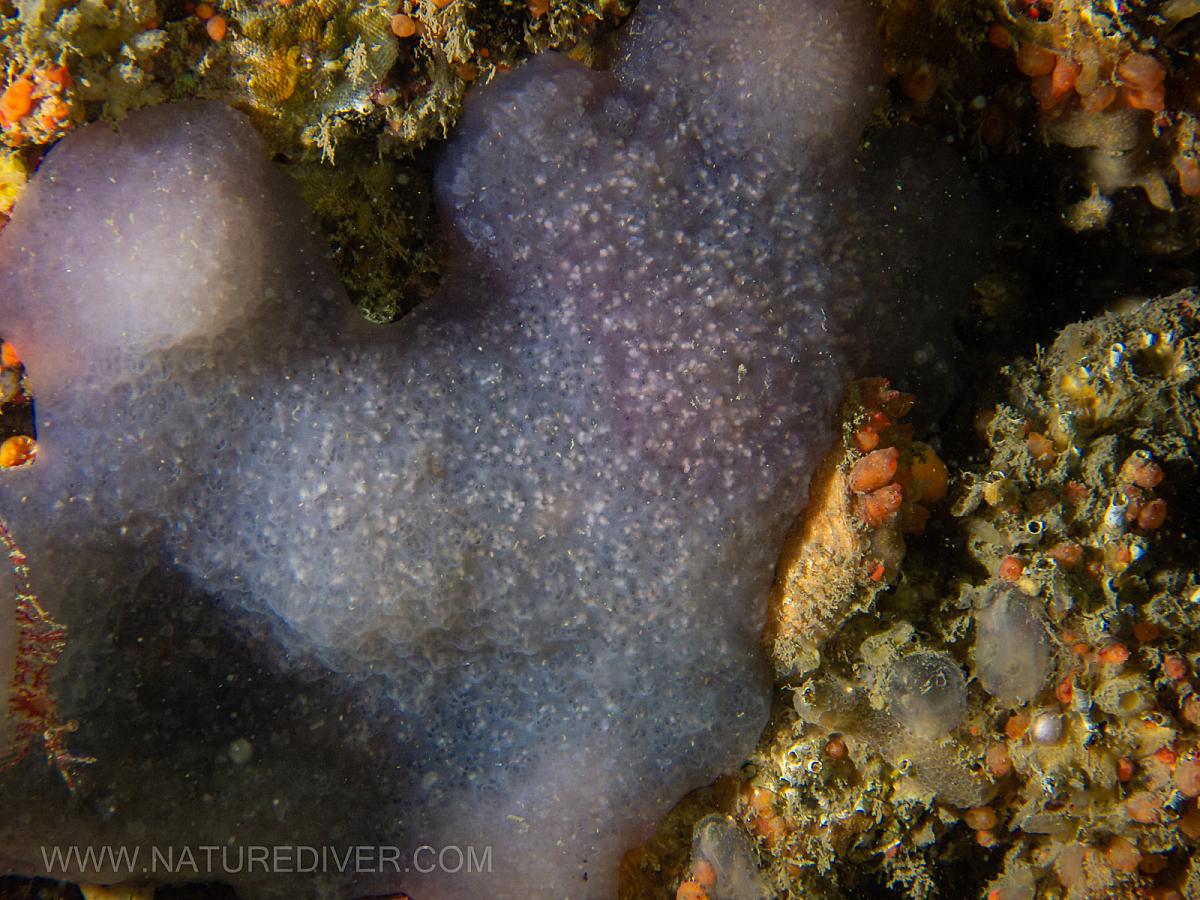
997,699
492,576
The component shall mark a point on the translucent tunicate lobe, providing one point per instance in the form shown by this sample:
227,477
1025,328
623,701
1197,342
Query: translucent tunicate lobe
725,847
1012,649
928,693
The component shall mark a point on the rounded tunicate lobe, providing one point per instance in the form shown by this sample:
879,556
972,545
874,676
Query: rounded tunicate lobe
928,693
1013,655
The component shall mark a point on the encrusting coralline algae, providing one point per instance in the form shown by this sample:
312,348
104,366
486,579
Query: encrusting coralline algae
531,528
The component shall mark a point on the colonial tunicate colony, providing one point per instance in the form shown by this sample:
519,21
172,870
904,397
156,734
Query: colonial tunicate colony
497,573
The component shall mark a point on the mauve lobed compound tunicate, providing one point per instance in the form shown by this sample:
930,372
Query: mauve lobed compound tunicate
495,575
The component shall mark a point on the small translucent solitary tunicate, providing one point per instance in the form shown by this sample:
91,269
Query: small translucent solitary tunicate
1012,649
719,842
931,760
928,693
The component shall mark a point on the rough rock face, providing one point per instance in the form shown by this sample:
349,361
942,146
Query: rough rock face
493,576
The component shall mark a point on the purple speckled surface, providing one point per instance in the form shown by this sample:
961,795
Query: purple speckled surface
517,545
